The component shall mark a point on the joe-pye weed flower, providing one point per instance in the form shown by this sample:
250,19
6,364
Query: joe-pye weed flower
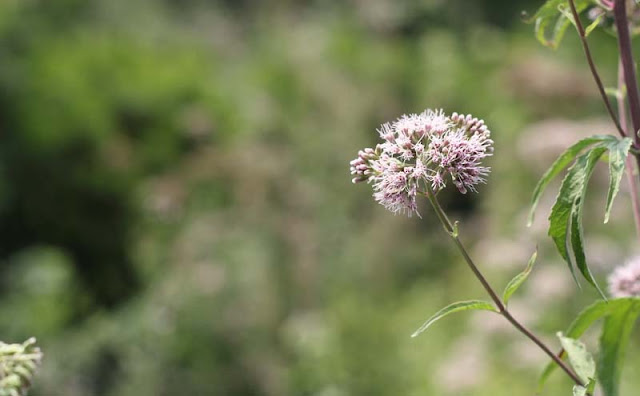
429,147
419,154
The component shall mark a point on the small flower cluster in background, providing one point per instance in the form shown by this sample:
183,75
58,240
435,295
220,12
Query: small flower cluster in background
18,363
625,280
430,147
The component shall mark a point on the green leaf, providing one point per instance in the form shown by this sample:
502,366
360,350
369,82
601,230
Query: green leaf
613,345
616,93
566,215
567,210
456,230
595,311
566,11
577,238
553,14
613,92
618,152
582,391
455,307
562,162
581,360
583,321
515,283
593,25
579,390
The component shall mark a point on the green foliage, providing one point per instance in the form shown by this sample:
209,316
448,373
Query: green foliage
618,152
614,342
553,18
558,165
582,390
620,315
593,25
517,280
455,307
580,359
580,324
565,220
224,133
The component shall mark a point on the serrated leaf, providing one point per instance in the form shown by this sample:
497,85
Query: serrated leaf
577,244
551,14
580,359
567,211
614,340
562,162
582,322
517,280
455,307
618,152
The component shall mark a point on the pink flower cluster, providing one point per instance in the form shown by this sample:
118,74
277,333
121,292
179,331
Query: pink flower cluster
625,280
430,147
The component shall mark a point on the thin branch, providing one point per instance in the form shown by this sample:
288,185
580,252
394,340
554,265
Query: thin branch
451,230
626,58
592,66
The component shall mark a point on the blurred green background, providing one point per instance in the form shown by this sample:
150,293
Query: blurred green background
177,217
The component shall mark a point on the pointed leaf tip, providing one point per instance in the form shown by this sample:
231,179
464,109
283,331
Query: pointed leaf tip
455,307
519,279
618,152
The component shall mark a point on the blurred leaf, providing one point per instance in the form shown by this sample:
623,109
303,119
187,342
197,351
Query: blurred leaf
583,321
582,391
552,14
455,307
593,25
566,214
562,162
579,390
515,283
613,344
614,92
566,11
618,152
581,360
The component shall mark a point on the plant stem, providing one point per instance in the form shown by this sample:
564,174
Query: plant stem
633,182
633,191
592,66
626,58
502,309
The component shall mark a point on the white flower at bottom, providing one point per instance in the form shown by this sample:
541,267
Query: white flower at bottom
625,280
